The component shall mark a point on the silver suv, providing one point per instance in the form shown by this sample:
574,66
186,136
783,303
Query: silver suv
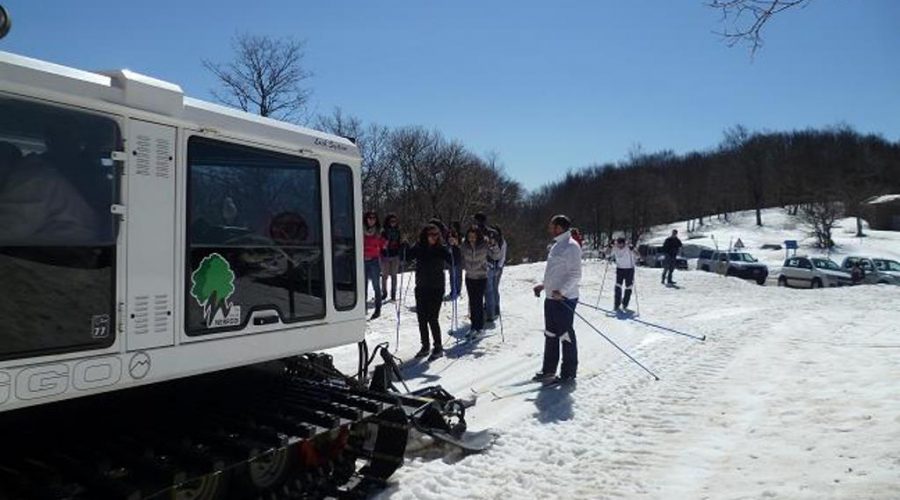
738,264
812,272
877,271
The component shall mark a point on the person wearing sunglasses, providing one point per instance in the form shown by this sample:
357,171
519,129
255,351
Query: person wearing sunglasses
431,256
373,244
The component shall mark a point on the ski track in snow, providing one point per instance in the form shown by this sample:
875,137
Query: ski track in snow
793,395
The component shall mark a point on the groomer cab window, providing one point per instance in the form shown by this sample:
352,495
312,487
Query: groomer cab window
57,235
343,236
254,237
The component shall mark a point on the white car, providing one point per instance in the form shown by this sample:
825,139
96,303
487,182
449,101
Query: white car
812,272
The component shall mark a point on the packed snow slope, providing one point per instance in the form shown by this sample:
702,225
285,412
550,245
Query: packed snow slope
794,394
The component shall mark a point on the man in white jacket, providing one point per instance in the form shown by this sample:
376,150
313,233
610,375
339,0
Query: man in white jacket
626,259
561,279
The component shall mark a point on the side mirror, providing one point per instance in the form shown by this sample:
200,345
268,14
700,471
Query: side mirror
5,22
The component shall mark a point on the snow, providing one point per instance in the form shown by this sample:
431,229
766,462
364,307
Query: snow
885,198
777,227
793,394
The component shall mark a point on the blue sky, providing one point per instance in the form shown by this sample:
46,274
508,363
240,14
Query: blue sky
548,86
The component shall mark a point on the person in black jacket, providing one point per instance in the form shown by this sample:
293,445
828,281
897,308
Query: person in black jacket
671,247
431,256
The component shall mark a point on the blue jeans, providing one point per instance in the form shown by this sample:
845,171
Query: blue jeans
456,273
492,293
558,318
372,269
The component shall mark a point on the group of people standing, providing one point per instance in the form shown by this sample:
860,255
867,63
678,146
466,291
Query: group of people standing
477,256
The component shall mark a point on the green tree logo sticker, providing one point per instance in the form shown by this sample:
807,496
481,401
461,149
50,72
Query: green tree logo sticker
213,285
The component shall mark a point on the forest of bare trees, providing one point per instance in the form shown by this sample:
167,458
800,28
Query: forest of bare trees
749,171
419,174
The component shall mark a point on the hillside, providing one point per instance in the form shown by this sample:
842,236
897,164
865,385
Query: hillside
777,227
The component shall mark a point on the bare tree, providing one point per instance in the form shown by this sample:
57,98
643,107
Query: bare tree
373,141
265,77
379,181
820,216
750,156
340,123
745,19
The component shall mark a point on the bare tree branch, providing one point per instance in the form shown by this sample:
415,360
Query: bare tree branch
745,19
265,77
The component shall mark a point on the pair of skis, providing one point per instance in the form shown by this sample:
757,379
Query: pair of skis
531,385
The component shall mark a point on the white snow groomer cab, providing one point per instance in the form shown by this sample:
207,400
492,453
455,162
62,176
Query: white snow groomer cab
167,268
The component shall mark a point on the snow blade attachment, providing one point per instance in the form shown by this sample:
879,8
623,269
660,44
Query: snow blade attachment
471,442
431,410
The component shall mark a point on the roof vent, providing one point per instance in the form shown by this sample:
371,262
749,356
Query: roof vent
148,93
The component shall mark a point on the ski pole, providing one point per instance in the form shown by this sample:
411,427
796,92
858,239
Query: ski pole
454,291
397,303
654,325
456,321
603,282
405,292
637,300
497,306
610,341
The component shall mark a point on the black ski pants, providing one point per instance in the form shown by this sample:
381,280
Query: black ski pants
475,288
668,268
624,280
558,329
428,307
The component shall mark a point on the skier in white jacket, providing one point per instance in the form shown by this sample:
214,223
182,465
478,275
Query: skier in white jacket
561,278
626,260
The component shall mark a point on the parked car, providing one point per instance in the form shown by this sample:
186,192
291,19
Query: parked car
888,266
739,264
692,250
704,260
813,272
877,271
653,256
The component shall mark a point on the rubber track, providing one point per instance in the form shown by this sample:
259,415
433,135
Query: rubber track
150,442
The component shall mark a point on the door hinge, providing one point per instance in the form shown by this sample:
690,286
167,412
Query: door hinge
120,210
